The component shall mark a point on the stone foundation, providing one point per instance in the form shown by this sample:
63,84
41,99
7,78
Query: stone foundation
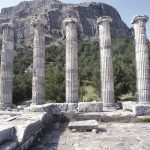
141,109
128,105
90,107
19,129
59,108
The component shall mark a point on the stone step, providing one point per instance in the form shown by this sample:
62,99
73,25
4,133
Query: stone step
83,125
114,116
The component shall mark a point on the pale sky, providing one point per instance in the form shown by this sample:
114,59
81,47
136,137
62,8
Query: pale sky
126,8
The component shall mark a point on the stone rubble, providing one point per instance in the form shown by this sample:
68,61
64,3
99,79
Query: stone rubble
20,131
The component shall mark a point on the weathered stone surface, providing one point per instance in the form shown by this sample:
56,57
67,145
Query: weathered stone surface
9,145
106,67
141,109
111,136
38,79
142,61
55,126
25,130
7,133
6,69
90,107
58,108
128,105
85,125
110,116
53,108
39,108
54,12
22,129
72,107
70,27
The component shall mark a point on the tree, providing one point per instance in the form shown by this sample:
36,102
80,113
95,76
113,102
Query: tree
55,84
22,88
124,65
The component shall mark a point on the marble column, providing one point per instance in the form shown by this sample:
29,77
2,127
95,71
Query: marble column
70,25
38,62
6,70
142,64
106,67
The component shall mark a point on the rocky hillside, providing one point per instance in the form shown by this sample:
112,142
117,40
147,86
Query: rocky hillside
54,12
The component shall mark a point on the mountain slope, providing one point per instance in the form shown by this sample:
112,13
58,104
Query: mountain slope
54,12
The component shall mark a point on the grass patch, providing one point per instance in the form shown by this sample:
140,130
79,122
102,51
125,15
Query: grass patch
90,94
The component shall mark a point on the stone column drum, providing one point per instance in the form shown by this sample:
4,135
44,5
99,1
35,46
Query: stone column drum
70,25
142,65
6,70
106,67
38,62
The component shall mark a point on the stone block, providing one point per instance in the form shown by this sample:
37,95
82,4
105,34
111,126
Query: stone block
83,125
72,107
141,109
41,108
90,107
53,108
7,132
58,108
27,129
56,126
9,145
128,105
35,108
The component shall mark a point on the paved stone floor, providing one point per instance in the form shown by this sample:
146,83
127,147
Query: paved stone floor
111,136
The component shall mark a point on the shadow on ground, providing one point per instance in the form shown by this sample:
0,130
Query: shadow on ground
48,139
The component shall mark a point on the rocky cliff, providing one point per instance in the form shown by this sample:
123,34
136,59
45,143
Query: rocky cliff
54,12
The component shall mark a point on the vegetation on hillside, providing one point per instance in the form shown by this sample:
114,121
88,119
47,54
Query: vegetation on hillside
89,75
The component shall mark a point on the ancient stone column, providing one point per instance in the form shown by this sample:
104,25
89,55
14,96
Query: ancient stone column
38,62
6,70
142,63
71,60
106,67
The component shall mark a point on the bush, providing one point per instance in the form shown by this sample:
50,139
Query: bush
22,88
89,70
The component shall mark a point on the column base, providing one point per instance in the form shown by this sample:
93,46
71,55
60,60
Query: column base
5,106
67,101
141,109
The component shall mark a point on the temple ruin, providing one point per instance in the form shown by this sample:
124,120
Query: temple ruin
23,123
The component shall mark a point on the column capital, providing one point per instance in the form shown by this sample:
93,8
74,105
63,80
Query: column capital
137,18
7,25
38,21
103,19
70,20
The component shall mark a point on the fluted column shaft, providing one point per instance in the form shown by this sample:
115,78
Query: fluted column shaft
71,60
142,62
6,73
106,67
38,63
